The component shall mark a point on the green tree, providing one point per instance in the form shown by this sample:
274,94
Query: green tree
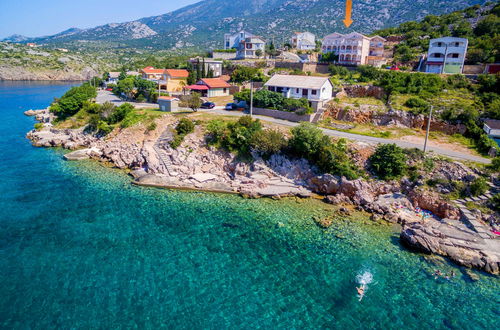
269,142
192,101
244,74
389,161
258,53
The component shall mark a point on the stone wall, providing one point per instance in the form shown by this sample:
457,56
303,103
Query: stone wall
290,116
223,55
362,91
474,69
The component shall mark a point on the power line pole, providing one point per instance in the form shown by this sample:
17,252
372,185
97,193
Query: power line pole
428,128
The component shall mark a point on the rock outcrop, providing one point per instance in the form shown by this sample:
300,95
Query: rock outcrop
458,243
390,118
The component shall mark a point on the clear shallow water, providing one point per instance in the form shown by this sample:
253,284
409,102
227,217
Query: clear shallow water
82,248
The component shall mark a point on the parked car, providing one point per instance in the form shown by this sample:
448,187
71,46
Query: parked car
231,106
208,105
109,89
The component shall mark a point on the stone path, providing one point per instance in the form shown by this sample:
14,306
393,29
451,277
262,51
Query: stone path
470,219
165,138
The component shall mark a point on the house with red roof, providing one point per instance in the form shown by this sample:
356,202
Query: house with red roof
211,87
170,80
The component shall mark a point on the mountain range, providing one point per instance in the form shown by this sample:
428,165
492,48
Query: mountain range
203,24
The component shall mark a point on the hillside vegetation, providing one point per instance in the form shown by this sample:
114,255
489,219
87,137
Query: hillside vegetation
481,25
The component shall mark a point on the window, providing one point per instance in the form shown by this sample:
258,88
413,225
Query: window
225,90
314,92
297,90
272,89
227,44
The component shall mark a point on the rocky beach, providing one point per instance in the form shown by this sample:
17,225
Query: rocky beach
150,159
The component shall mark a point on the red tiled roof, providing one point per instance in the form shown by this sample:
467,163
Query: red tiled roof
177,73
151,70
215,83
198,87
167,98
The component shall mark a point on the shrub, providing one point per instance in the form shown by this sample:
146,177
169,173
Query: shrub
185,126
217,131
119,113
306,140
73,100
140,98
38,126
495,202
388,161
478,187
417,105
269,142
495,164
310,143
152,126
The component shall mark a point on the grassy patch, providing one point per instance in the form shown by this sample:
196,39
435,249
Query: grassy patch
480,207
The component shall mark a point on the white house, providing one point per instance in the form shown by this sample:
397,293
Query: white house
113,77
303,41
446,55
210,64
245,43
317,90
352,48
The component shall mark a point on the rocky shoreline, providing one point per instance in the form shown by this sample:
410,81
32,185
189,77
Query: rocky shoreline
197,166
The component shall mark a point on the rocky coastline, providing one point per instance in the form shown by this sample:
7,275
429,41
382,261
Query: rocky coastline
195,165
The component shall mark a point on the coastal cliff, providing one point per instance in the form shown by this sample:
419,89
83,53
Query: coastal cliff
196,165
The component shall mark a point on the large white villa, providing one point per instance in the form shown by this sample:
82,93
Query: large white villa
245,43
355,48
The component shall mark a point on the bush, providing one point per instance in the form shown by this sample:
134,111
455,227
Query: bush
310,143
38,126
495,202
185,126
417,105
495,164
307,140
389,161
119,113
152,126
478,187
269,142
217,131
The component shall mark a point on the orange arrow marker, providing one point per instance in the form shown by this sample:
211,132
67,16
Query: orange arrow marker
348,12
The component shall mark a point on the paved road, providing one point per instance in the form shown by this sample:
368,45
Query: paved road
106,96
362,138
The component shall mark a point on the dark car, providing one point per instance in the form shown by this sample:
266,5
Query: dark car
231,106
208,105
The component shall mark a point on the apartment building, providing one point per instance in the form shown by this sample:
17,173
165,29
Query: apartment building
246,44
355,48
446,55
303,41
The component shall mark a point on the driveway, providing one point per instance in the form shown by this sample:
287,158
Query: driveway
361,138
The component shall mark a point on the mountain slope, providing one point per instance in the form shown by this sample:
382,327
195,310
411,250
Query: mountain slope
203,24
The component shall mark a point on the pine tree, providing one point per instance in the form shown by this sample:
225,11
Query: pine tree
210,73
203,70
198,70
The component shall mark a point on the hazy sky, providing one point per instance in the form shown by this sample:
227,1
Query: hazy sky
35,18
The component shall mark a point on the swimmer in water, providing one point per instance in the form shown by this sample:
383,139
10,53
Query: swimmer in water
361,291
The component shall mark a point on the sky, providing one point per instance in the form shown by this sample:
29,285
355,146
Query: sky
34,18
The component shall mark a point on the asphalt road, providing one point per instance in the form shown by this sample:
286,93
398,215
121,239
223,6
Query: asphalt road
362,138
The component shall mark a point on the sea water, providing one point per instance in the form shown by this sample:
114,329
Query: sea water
80,247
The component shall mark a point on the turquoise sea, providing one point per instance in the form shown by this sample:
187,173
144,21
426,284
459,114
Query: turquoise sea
81,248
